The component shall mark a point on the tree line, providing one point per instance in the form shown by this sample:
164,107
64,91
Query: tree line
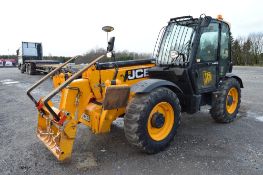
245,51
91,54
117,56
248,50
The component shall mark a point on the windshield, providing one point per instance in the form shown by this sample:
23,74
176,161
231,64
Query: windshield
174,47
29,49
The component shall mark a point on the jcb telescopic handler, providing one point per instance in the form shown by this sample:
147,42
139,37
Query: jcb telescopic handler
191,68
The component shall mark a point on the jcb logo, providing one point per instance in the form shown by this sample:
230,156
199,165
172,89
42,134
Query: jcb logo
207,77
135,74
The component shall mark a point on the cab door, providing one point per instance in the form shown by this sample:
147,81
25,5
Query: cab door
206,71
225,48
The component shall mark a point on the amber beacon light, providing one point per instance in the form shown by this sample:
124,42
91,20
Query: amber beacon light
219,17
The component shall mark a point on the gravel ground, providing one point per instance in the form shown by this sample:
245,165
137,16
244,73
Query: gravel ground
201,146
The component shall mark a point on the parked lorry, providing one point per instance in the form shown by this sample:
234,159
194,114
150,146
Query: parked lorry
30,59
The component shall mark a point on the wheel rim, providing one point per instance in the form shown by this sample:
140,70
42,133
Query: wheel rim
232,100
162,109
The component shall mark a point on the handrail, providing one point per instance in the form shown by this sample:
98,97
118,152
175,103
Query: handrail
63,85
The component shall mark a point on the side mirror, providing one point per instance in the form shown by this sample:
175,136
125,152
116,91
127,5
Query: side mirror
206,21
230,66
109,54
111,44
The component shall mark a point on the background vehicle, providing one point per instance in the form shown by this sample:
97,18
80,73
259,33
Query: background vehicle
30,59
7,62
192,68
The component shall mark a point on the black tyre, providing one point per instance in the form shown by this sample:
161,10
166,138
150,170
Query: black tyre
225,106
152,119
27,65
23,68
30,69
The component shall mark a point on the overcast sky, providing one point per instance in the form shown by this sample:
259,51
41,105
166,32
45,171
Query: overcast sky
67,27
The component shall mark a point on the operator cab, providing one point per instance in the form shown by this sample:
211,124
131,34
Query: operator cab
193,53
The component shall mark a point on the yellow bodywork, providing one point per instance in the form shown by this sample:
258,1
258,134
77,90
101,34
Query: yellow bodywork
83,102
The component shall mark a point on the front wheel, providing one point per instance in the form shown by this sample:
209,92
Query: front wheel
225,106
151,120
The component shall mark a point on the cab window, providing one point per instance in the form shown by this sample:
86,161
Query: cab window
224,50
208,45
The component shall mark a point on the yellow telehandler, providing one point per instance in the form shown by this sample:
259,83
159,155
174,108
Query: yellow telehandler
191,67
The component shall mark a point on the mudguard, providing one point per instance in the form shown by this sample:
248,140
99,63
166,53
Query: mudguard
231,75
148,85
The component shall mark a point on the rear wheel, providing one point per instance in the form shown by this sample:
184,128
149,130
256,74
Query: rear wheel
30,69
151,120
225,106
27,65
23,68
